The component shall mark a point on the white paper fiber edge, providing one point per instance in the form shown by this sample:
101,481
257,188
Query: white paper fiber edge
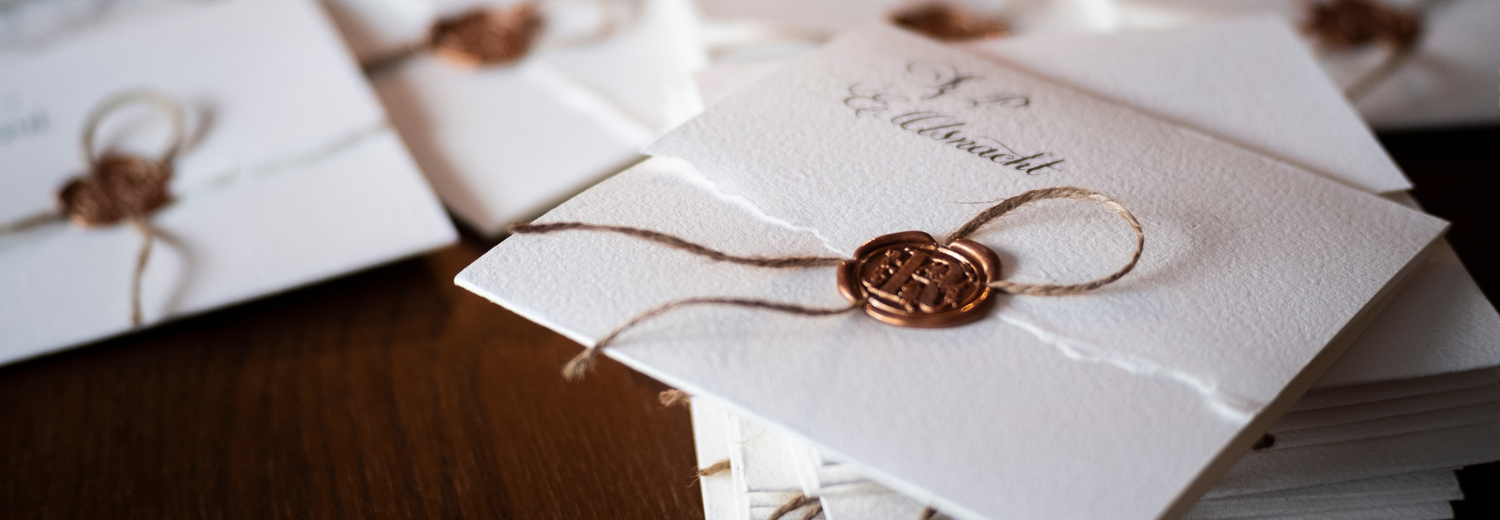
285,183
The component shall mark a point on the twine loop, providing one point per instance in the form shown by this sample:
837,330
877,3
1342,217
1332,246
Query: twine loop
157,100
1062,192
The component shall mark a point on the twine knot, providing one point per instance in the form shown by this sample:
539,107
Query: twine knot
122,187
949,23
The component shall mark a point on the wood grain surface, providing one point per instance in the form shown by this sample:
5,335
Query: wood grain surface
393,394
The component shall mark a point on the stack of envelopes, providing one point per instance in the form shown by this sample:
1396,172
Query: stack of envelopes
1273,245
1381,432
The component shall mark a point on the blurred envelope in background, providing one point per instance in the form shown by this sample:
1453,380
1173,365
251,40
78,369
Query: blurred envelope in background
289,173
506,142
1257,275
1449,80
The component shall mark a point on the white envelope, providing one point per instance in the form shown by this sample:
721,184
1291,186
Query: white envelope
505,143
1000,416
1438,324
291,174
1448,81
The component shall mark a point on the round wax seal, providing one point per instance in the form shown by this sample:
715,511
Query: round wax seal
487,37
908,279
119,187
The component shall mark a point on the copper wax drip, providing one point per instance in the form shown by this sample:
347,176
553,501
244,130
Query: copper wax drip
949,23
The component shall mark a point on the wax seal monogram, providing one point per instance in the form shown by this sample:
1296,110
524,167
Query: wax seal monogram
910,280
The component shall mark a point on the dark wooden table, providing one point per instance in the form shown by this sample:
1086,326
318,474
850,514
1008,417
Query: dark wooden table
393,394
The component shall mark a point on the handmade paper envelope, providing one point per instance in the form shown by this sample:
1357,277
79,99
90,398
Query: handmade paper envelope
1135,396
1438,323
506,142
290,173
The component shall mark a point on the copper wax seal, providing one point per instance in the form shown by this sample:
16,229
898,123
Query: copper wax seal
910,280
486,36
118,187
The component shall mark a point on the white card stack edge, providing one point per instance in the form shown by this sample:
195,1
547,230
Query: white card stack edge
1381,432
1340,480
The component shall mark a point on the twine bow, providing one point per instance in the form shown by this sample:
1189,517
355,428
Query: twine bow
123,187
580,364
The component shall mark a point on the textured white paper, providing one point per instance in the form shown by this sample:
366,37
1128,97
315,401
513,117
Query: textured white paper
505,143
1145,415
291,174
1450,80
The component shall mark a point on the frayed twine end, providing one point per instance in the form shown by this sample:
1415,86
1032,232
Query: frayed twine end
580,364
714,469
674,398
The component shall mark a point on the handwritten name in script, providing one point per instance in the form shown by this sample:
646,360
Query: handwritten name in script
949,130
928,101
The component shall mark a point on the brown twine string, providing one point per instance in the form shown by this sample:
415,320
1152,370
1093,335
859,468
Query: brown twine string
928,513
714,469
1345,24
577,367
148,237
674,398
674,242
798,502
